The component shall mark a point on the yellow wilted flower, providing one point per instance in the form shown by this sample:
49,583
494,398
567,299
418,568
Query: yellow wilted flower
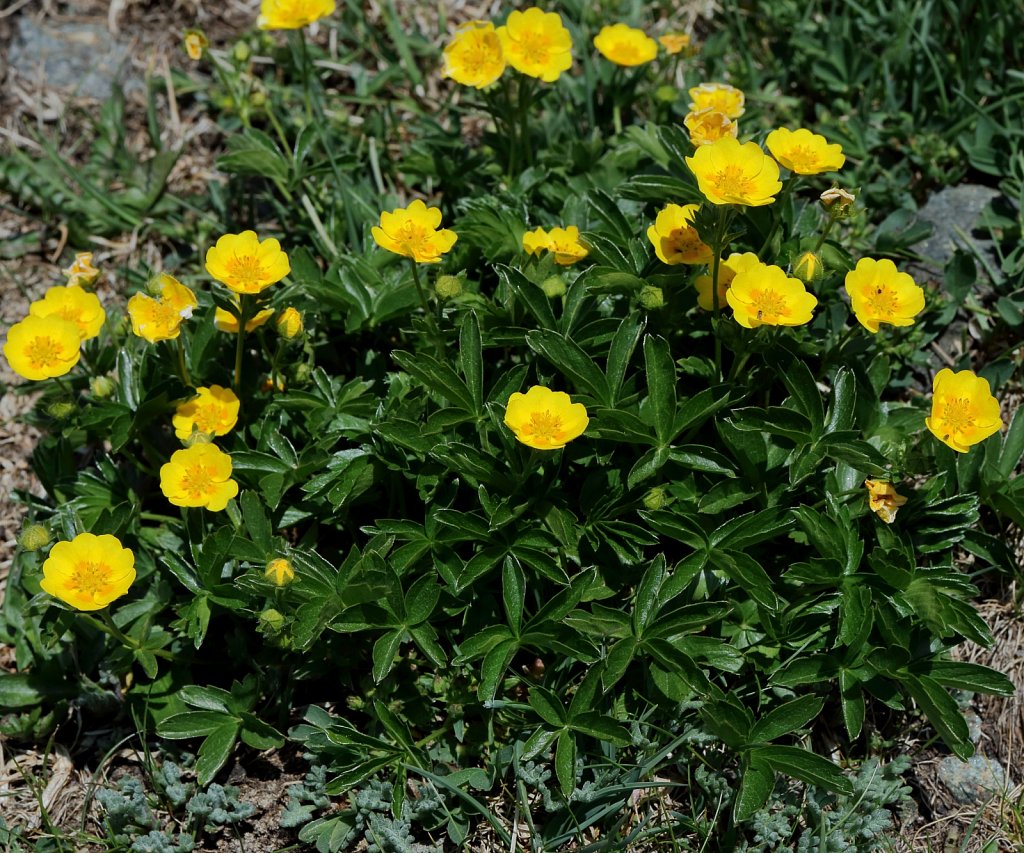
225,321
75,305
413,232
536,43
42,347
195,43
292,14
544,419
883,499
245,264
879,293
625,45
717,96
674,238
727,271
81,272
765,296
803,152
563,243
709,125
730,173
288,323
964,411
838,202
88,572
674,42
199,475
280,571
213,411
474,56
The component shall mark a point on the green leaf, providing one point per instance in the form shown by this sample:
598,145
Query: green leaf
851,698
775,420
565,762
258,734
1013,445
421,599
513,590
214,752
571,360
621,351
22,690
942,712
437,376
646,602
189,724
384,651
208,698
961,675
843,403
805,765
529,294
661,387
256,522
801,385
253,152
494,666
547,706
619,657
787,718
472,360
756,787
601,727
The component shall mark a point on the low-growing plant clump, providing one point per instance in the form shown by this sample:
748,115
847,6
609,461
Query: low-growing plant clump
571,469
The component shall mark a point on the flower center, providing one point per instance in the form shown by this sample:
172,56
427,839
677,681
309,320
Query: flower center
44,352
535,48
731,181
479,55
546,426
197,481
883,301
625,51
802,157
769,304
683,241
211,418
245,270
299,10
89,578
956,415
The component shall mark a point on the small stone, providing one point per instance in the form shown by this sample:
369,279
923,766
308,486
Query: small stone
975,780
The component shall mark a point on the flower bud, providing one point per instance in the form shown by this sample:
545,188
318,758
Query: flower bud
666,94
651,297
655,498
448,287
280,571
82,273
102,387
807,267
272,620
553,287
195,43
34,537
241,52
289,323
257,98
302,372
838,202
60,409
268,385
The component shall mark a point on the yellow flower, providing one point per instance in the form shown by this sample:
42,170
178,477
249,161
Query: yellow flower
195,44
709,125
765,296
42,347
544,419
674,42
173,293
413,232
883,499
625,45
225,321
280,571
964,411
881,294
82,272
214,411
563,243
536,43
199,475
730,173
474,56
717,96
88,572
803,152
292,14
727,271
674,238
75,305
245,264
160,318
288,323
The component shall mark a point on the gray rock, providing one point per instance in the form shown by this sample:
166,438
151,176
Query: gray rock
951,210
81,59
975,780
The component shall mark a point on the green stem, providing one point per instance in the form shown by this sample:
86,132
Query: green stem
306,68
186,377
245,312
524,120
725,215
787,189
107,626
435,331
824,233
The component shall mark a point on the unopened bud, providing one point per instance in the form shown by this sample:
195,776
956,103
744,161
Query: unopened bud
666,94
241,52
302,372
272,619
60,409
651,297
448,287
195,44
257,98
808,268
280,571
102,387
838,202
655,498
553,286
34,537
289,323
